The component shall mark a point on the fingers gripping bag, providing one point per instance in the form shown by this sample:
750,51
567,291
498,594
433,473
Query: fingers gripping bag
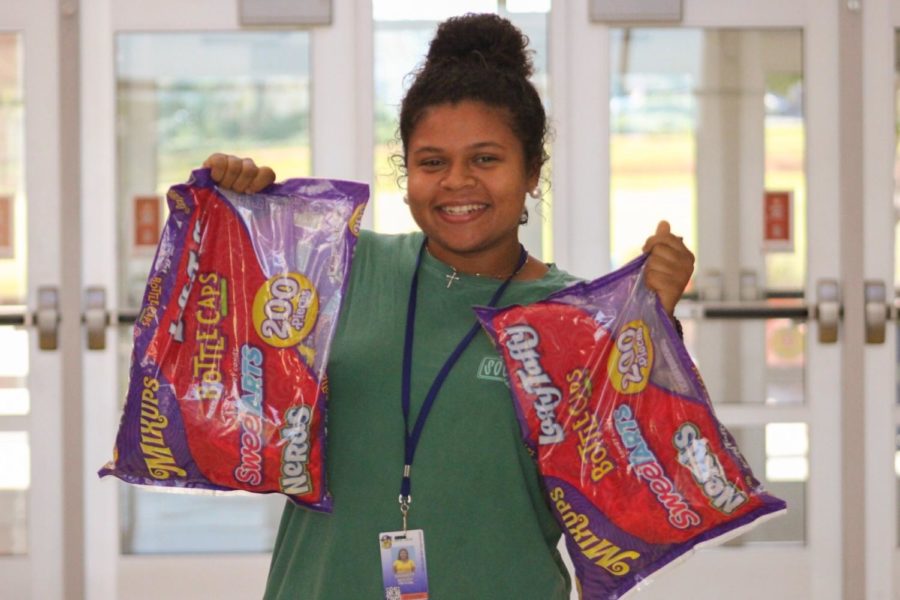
638,470
227,386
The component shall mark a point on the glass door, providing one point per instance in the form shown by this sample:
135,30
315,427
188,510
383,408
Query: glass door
32,536
721,124
176,91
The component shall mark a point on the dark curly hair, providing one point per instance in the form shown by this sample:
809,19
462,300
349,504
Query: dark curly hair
485,58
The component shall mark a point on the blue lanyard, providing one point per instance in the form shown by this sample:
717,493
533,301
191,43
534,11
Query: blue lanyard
411,440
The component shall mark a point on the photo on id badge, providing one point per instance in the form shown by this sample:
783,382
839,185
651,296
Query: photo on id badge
403,565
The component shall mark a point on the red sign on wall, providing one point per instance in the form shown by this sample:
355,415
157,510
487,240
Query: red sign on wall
7,228
147,223
778,221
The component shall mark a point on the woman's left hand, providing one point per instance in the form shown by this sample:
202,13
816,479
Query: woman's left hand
669,267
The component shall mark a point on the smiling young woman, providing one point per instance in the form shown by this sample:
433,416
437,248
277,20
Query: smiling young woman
473,131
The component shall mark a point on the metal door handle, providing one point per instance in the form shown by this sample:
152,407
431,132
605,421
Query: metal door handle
95,317
46,317
877,311
828,310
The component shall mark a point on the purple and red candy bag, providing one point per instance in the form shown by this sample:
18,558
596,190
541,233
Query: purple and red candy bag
638,470
227,388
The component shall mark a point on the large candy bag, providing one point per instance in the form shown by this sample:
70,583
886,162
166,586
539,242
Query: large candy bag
227,388
638,470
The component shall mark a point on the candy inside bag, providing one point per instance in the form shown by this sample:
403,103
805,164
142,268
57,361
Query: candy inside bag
227,387
638,470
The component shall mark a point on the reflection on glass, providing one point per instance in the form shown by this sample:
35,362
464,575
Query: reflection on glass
15,479
401,40
703,123
12,188
764,447
775,378
181,97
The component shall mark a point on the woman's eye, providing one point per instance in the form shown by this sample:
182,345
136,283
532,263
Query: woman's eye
486,159
430,163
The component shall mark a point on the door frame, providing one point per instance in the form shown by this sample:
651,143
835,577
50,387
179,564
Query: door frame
881,21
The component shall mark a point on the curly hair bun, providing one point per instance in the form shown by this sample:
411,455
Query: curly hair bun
481,40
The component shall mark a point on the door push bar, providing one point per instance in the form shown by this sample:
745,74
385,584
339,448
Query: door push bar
827,310
45,317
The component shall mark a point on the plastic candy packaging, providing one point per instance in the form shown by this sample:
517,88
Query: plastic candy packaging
638,470
227,387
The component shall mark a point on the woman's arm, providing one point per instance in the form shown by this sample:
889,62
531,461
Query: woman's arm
669,267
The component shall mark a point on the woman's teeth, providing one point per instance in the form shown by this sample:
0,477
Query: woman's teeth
463,209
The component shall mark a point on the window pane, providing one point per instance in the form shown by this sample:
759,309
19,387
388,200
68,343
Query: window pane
12,188
399,47
13,352
15,479
779,457
182,96
165,522
653,120
14,401
705,124
721,350
785,144
14,449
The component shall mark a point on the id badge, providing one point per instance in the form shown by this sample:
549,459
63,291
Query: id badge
403,565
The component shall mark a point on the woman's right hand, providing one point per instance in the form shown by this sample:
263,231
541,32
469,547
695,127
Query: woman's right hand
238,174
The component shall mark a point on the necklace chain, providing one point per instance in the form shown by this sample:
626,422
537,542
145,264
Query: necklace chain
453,276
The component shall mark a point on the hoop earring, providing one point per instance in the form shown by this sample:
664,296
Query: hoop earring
523,218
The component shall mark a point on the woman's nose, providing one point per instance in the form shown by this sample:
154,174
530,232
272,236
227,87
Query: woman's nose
458,177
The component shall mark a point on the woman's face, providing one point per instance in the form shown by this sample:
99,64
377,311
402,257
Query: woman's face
467,181
403,554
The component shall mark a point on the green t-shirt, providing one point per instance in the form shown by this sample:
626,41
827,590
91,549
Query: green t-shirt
476,491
